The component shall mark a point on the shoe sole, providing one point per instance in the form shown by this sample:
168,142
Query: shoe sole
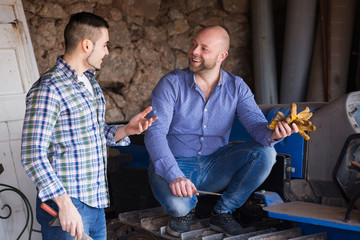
218,229
172,232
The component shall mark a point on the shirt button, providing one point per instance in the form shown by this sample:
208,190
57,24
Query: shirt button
205,110
199,153
204,126
202,139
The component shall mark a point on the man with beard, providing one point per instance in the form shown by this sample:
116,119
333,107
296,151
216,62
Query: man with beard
65,136
189,147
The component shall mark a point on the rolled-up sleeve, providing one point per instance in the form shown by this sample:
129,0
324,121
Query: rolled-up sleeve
110,131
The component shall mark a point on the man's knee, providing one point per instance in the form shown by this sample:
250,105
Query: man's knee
179,207
268,156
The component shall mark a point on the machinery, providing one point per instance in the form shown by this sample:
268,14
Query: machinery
312,189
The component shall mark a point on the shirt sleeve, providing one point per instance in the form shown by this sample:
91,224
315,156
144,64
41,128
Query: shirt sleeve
163,102
42,111
110,131
252,118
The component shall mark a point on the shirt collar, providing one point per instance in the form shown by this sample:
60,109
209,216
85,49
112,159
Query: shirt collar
220,82
69,71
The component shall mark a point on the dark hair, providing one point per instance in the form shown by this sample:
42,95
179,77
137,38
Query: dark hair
83,25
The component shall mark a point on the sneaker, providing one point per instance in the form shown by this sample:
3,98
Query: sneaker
225,222
178,225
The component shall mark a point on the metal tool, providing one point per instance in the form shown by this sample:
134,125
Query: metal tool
205,192
56,222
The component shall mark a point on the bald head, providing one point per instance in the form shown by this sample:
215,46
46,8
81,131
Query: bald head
218,34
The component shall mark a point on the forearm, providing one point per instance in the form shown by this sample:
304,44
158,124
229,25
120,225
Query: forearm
121,132
161,156
115,135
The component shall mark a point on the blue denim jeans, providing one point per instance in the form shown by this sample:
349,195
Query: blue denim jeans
93,220
237,169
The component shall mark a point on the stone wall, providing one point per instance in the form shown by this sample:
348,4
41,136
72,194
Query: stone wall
149,38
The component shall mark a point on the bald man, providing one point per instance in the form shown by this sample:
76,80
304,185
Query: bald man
188,146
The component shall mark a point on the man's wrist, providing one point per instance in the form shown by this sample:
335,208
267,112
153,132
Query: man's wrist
62,200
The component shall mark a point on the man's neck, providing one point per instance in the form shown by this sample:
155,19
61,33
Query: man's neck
209,77
207,80
75,61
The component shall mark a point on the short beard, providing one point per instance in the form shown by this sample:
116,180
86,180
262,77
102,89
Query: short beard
201,67
88,62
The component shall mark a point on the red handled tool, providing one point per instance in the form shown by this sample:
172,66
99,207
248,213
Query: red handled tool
56,222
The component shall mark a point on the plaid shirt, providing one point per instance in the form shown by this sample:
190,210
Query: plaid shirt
64,137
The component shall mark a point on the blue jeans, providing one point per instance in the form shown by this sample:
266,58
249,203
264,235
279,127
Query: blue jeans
93,220
237,169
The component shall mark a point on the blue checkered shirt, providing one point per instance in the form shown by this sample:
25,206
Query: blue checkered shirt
65,136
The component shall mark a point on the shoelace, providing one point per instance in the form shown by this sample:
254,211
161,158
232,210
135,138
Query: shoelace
229,218
185,219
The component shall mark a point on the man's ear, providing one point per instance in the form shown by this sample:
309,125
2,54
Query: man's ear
86,45
223,55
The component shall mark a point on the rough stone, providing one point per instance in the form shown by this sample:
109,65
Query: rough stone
115,14
167,58
180,42
114,115
102,11
53,10
181,60
144,8
177,27
148,56
155,34
231,26
196,16
119,34
79,7
29,6
175,14
197,4
236,6
44,33
118,67
210,21
240,38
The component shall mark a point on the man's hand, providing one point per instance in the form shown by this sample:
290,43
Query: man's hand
182,187
139,123
136,125
70,218
282,130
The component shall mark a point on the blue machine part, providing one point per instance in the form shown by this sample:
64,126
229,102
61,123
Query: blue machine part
269,197
292,145
139,154
314,218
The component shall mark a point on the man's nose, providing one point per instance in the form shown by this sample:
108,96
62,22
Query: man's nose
196,51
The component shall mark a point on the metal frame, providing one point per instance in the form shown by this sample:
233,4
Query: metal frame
29,212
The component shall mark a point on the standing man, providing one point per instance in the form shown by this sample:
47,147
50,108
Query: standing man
189,146
65,136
